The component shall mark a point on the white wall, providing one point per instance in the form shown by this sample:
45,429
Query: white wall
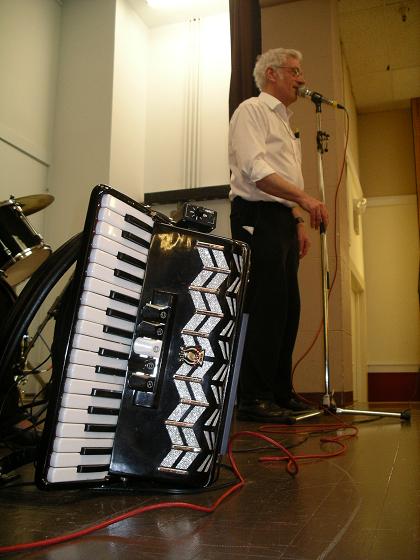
29,42
82,124
92,95
387,170
29,38
128,132
173,50
392,249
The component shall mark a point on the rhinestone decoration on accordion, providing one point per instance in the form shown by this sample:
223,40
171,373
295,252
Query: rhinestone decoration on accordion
210,293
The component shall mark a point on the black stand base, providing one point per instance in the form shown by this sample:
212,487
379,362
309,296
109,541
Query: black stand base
405,415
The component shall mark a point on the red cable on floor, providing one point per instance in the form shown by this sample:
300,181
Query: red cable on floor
312,428
292,468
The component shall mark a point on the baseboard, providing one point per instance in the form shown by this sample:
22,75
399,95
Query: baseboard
393,386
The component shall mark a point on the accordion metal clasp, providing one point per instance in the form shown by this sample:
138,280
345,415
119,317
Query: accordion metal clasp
192,355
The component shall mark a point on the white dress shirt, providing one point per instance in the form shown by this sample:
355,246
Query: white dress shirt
261,142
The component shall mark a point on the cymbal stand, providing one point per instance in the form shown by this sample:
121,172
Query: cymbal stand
328,402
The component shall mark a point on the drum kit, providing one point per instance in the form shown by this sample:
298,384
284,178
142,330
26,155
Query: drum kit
22,249
22,252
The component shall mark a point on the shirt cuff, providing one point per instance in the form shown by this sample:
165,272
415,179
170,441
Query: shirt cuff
259,170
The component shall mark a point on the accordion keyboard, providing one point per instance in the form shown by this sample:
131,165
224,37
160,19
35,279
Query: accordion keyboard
100,346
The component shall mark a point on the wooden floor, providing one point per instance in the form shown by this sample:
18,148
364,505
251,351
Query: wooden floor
362,505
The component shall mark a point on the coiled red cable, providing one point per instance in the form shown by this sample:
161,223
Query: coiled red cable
291,467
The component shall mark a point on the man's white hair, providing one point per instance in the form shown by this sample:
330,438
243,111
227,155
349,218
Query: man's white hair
272,59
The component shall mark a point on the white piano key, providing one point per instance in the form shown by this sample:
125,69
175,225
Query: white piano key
99,286
114,233
98,316
87,373
96,330
91,359
75,459
105,273
74,445
82,402
113,248
116,220
91,344
79,416
102,302
66,430
70,474
79,387
117,205
105,259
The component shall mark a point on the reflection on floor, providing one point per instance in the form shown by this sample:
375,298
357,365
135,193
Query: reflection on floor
361,505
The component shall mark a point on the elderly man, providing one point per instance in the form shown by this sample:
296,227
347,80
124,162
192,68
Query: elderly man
267,201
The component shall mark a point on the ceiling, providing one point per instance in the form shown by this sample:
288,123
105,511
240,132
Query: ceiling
153,17
381,42
380,38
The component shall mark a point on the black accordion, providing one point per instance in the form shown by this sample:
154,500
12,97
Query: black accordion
145,362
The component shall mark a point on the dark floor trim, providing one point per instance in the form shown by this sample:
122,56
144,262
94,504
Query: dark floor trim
393,386
186,195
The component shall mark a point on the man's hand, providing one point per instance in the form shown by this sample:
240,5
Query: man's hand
317,210
303,238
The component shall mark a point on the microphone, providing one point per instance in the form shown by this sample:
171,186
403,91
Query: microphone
318,98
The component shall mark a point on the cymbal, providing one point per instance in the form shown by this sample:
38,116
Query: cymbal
34,202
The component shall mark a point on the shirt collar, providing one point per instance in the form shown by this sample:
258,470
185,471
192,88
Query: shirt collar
275,104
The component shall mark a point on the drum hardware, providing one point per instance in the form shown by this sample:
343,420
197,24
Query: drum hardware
9,395
28,342
19,314
34,202
22,249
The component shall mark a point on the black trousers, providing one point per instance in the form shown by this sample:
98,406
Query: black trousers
272,301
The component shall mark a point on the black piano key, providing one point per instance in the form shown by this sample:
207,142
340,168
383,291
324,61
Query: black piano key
108,353
138,223
120,315
106,370
92,468
96,451
135,239
131,260
97,428
118,296
106,393
103,410
127,276
117,332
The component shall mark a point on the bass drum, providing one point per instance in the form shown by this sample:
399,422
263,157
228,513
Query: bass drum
9,393
25,307
22,249
7,297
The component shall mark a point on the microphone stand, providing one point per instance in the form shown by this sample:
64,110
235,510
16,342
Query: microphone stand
328,402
